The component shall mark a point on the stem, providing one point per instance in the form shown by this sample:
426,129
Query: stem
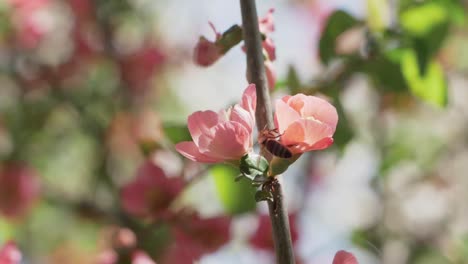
255,67
264,116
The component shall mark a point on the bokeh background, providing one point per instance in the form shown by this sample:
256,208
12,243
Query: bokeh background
94,94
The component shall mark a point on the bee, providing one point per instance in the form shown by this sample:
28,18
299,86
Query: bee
270,139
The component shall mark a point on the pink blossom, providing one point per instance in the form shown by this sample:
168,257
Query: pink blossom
305,122
151,192
270,48
344,257
266,24
108,256
10,254
270,75
29,28
140,257
19,188
137,68
207,52
194,236
221,137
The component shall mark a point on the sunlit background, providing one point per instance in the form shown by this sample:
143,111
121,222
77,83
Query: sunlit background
94,92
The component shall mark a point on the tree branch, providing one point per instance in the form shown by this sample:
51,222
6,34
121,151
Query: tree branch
264,116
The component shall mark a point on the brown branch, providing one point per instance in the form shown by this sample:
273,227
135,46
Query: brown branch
264,116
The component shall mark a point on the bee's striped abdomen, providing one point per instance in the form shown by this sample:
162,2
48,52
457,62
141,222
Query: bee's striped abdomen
277,149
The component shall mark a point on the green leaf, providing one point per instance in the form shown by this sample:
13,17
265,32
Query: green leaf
293,80
421,19
7,230
176,133
430,87
253,165
385,71
430,256
230,38
377,14
427,27
236,197
337,23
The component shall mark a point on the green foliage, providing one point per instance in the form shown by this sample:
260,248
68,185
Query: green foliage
176,132
429,86
230,38
429,256
385,71
421,20
254,167
344,132
366,239
337,23
236,197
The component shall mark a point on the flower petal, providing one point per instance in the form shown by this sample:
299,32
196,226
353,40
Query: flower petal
266,23
249,99
315,107
240,115
189,150
270,75
200,123
270,49
231,142
307,131
284,115
344,257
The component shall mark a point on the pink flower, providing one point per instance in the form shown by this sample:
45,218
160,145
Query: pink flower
194,236
140,66
151,192
207,52
224,136
19,188
270,48
10,254
344,257
107,257
30,28
266,24
305,122
140,257
270,75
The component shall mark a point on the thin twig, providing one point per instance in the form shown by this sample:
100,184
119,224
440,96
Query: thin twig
264,116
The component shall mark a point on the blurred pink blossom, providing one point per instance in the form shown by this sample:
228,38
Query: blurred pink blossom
10,254
26,18
266,26
151,192
195,236
108,256
270,75
270,49
221,137
138,67
207,52
19,188
305,122
140,257
344,257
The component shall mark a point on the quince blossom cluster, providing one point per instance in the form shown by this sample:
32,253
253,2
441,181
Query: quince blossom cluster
208,52
305,123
